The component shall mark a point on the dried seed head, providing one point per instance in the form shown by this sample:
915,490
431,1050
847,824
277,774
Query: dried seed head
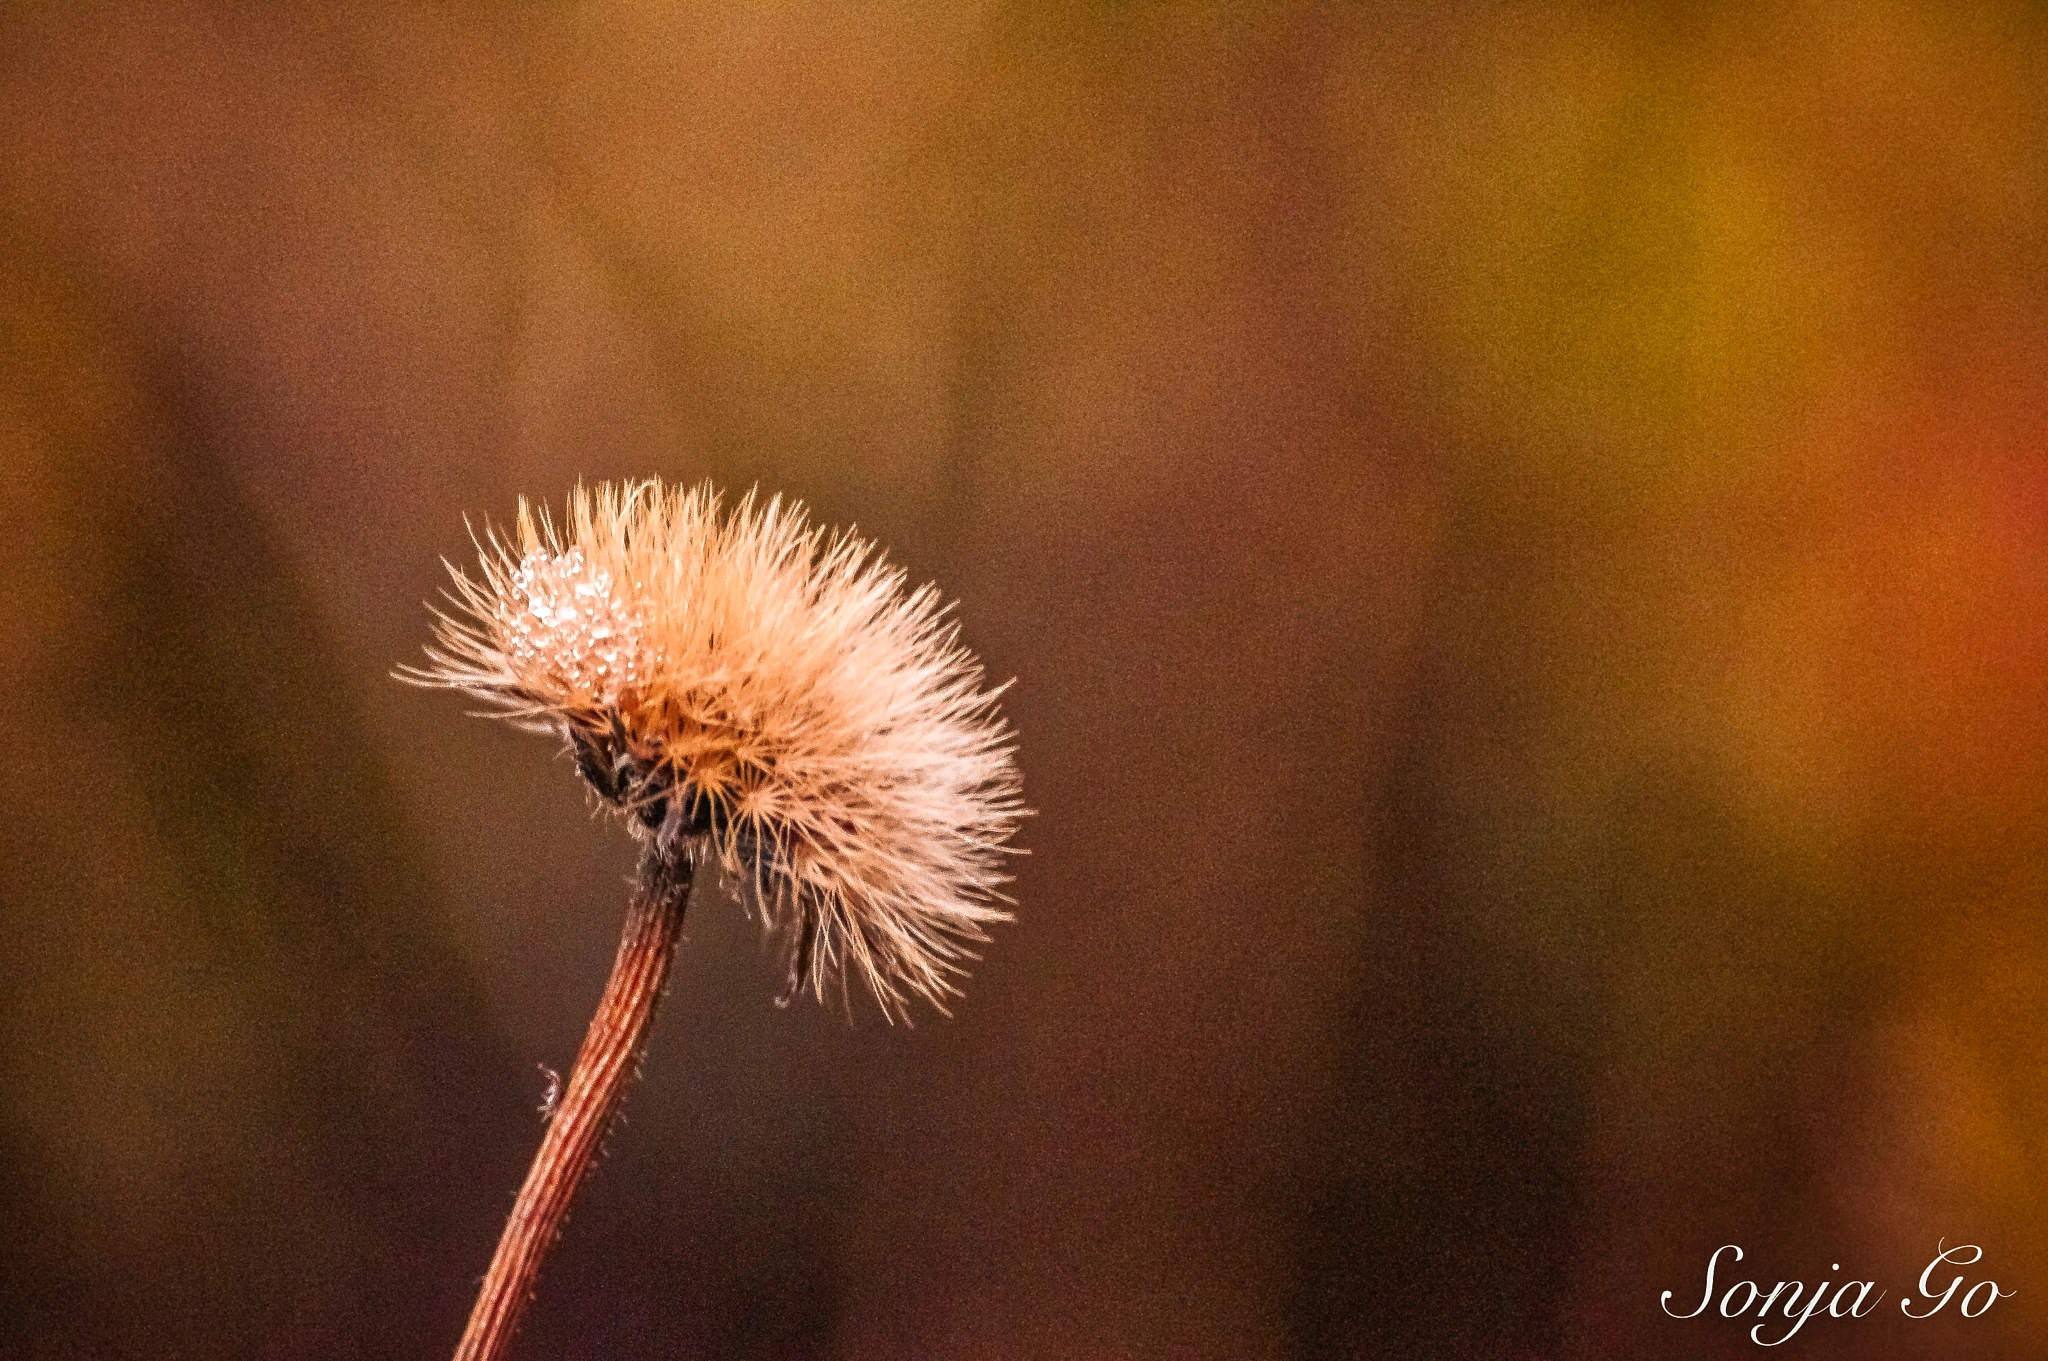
758,692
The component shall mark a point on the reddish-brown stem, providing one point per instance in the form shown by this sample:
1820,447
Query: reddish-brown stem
610,1055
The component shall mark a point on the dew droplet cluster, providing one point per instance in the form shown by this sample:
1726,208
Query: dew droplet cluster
563,619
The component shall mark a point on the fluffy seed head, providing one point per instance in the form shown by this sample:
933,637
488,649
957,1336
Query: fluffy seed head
762,693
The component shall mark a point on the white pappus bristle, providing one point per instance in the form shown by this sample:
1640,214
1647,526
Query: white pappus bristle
771,691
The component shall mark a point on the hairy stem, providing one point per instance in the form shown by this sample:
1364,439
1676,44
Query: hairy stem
608,1060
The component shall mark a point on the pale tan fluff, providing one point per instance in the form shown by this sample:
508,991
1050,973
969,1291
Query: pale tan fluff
822,725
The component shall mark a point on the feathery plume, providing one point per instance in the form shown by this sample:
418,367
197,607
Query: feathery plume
754,693
770,693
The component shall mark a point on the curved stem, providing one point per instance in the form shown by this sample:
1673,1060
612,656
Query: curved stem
609,1058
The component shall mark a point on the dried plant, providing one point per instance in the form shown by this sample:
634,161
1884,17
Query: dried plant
756,694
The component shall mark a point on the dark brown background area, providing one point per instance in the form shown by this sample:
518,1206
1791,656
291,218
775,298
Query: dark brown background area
1521,537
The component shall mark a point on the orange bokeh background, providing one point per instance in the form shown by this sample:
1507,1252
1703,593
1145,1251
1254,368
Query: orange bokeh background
1520,533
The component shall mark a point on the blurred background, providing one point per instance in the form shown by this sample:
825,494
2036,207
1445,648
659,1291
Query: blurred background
1521,536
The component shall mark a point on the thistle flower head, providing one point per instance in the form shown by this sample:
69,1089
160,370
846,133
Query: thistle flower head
755,691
